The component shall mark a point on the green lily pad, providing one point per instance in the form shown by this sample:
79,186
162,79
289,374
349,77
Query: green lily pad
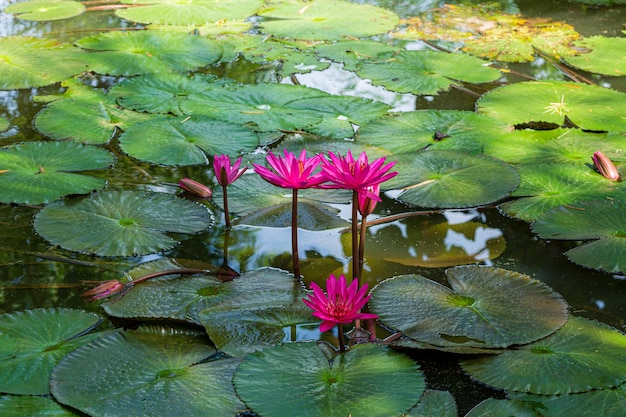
492,407
32,342
23,59
587,106
120,223
434,404
326,20
44,10
33,406
40,172
486,307
350,53
193,12
95,118
602,221
168,140
162,93
425,72
451,179
141,52
545,187
366,381
155,371
435,129
311,216
581,356
601,58
4,124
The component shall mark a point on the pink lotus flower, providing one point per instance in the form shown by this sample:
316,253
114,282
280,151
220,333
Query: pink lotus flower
356,175
605,166
104,290
366,203
225,173
291,172
196,188
342,305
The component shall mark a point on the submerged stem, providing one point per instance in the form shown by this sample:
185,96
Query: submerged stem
226,214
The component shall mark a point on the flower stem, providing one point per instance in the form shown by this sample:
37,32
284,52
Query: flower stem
362,244
342,344
294,234
355,241
226,214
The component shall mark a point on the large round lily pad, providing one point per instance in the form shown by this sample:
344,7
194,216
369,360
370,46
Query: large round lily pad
602,221
485,307
451,179
152,371
120,223
40,172
581,356
366,381
32,342
601,55
44,10
587,106
326,20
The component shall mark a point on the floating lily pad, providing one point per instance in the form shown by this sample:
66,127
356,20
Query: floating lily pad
492,407
601,56
142,52
311,216
602,221
161,93
350,53
33,406
545,187
24,58
366,381
32,342
4,124
44,10
587,106
487,307
120,223
425,72
451,179
434,404
581,356
194,12
326,20
436,129
167,140
155,371
40,172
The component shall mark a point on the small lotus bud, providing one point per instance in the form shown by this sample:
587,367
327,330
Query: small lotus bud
104,290
195,188
605,166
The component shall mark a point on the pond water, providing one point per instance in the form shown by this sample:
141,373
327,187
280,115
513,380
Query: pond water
35,274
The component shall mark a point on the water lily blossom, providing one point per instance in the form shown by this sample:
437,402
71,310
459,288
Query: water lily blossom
104,290
605,166
367,204
342,305
196,188
291,172
226,174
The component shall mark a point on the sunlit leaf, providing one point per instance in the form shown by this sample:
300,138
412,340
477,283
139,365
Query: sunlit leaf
366,381
155,371
4,123
581,356
601,58
485,307
40,172
350,52
44,10
120,223
32,342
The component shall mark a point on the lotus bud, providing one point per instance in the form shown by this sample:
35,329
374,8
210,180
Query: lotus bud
104,290
195,188
605,166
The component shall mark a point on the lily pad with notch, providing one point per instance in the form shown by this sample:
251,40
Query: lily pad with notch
40,172
33,342
367,380
581,356
434,403
351,52
601,221
120,223
154,370
451,179
485,307
601,55
45,10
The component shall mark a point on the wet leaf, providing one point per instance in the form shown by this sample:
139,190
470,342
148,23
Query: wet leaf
44,10
601,56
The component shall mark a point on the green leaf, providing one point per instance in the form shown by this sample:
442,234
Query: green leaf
167,140
40,172
120,223
326,20
485,307
366,381
32,342
587,106
350,53
311,216
451,179
44,10
601,56
4,124
434,404
425,72
33,406
155,371
581,356
23,59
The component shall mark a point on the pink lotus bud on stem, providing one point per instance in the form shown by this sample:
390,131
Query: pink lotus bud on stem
195,188
605,166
